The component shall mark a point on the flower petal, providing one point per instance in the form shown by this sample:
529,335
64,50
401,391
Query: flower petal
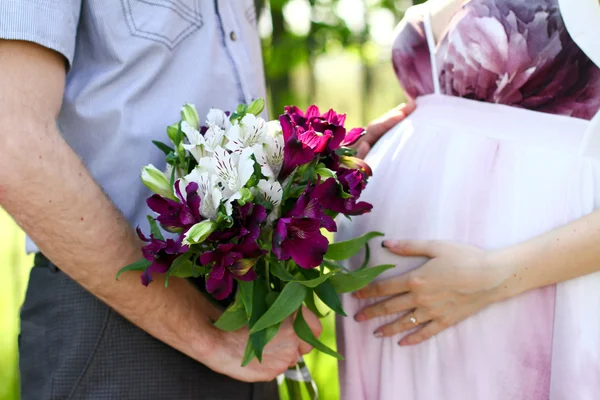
353,136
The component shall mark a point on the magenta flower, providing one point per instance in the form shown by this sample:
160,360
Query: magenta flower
329,193
309,207
176,216
247,221
321,132
229,261
301,240
161,253
295,153
353,136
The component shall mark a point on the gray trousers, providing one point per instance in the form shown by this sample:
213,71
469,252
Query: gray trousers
72,346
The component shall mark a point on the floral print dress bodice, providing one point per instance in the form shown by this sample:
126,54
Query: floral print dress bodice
513,52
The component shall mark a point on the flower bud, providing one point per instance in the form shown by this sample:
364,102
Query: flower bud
199,232
155,180
190,115
256,107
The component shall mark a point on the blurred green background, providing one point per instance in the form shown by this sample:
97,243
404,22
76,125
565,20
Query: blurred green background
335,53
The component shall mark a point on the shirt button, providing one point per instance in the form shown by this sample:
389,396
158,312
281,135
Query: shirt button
233,36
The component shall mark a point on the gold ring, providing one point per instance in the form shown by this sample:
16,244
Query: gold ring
413,319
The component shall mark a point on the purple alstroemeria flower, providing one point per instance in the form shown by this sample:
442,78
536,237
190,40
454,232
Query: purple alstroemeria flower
229,261
301,240
247,221
356,164
161,253
309,207
322,132
353,135
295,152
176,216
329,193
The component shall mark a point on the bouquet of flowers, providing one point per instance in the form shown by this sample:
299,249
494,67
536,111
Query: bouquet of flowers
243,204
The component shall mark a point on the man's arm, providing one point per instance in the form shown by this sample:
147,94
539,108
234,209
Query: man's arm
51,195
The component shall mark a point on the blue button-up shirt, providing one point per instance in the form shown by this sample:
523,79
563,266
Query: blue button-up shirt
132,65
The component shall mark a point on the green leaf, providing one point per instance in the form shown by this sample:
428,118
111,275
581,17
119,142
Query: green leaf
309,301
182,267
246,290
326,292
256,339
154,229
259,307
344,250
140,265
352,281
279,270
367,256
163,147
311,283
261,339
249,353
234,317
304,332
288,301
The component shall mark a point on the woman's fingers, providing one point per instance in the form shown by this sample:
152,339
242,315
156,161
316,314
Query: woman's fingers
403,324
426,332
394,305
396,285
414,248
381,125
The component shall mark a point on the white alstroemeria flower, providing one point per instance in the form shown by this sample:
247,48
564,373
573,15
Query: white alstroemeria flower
214,136
208,190
233,169
270,154
272,191
202,145
218,118
249,132
197,144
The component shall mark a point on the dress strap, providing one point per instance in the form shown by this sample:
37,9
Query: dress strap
431,44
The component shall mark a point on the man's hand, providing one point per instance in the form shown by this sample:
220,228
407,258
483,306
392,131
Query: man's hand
381,125
282,352
46,188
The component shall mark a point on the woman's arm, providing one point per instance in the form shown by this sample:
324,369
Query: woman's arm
565,253
459,280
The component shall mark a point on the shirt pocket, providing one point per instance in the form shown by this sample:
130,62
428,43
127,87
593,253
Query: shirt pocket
168,22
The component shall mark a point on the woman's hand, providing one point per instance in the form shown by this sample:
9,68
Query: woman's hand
381,125
457,282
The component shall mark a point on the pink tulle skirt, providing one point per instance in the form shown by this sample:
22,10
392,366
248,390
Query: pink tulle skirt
492,176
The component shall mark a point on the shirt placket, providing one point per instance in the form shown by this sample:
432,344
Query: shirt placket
235,49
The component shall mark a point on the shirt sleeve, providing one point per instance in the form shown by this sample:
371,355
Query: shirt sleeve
49,23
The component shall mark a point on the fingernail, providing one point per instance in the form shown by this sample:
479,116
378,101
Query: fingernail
389,243
360,317
403,342
378,334
383,244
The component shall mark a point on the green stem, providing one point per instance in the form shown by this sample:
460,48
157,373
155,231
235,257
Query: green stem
267,274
